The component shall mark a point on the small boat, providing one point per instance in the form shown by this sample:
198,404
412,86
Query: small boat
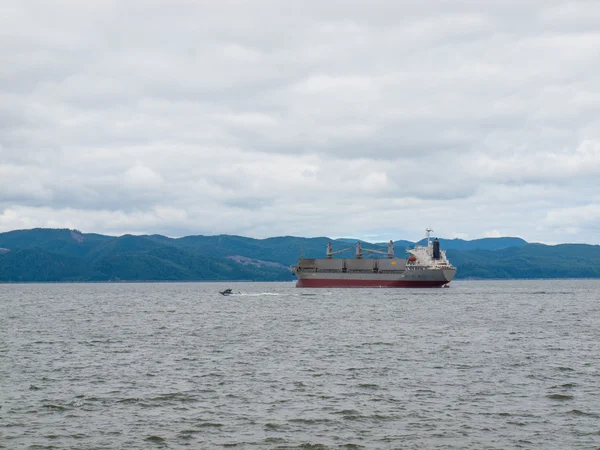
226,292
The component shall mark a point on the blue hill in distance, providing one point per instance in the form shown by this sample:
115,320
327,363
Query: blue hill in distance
70,255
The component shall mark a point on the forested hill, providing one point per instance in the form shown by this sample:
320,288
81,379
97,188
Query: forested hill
69,255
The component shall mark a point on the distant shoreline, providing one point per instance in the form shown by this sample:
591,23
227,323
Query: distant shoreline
68,256
275,281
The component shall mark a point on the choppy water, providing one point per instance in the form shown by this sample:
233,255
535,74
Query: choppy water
510,364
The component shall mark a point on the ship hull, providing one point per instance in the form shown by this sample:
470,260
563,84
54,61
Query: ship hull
353,283
406,279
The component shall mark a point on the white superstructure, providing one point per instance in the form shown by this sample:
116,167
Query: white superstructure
429,256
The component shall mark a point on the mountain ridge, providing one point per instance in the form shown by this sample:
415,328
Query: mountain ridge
44,254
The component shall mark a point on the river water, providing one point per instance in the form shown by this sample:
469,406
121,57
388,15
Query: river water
501,364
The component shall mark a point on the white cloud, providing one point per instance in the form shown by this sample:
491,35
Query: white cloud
492,234
142,177
579,217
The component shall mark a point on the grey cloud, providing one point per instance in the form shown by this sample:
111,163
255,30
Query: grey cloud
313,118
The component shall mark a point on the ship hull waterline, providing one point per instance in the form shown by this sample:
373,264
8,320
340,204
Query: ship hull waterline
331,283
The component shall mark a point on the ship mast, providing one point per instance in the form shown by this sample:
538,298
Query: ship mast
428,230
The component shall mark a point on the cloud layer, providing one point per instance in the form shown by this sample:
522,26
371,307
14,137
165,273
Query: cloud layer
339,118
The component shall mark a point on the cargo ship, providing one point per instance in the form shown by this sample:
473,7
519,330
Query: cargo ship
427,266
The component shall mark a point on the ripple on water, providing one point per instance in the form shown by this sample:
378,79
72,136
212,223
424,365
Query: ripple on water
577,412
559,397
565,386
56,407
210,425
173,365
310,421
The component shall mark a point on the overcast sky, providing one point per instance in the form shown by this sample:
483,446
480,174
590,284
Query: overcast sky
370,119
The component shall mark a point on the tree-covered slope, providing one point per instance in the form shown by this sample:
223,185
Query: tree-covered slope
285,250
529,261
34,264
59,241
69,255
65,255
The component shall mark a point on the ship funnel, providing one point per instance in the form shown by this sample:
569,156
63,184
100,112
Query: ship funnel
436,249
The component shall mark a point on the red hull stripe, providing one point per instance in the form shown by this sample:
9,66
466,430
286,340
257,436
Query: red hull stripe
324,283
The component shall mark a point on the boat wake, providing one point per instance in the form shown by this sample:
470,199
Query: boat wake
261,294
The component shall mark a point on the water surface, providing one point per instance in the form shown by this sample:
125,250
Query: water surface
503,364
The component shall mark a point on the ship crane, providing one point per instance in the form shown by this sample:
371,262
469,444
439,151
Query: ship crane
359,250
330,251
